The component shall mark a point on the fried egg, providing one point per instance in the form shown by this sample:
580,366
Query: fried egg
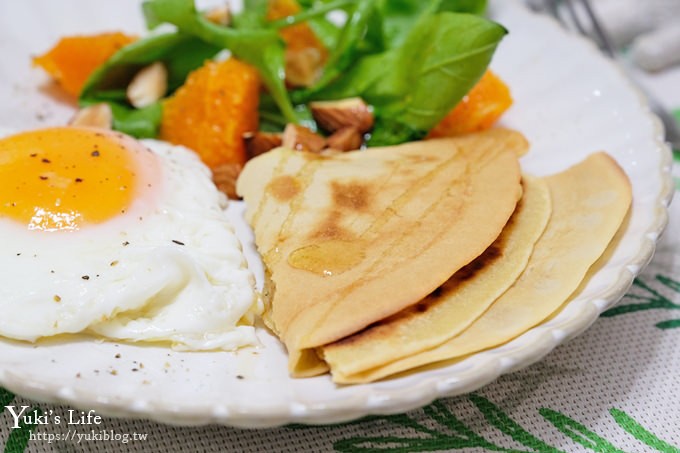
107,235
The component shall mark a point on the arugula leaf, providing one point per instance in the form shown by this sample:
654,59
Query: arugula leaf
139,123
179,52
253,14
359,80
344,54
261,48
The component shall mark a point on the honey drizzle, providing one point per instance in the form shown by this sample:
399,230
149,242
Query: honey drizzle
304,178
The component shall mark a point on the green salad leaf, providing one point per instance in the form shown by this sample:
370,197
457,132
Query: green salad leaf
260,47
444,53
399,16
412,61
180,54
442,58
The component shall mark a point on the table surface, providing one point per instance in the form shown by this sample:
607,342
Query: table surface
614,388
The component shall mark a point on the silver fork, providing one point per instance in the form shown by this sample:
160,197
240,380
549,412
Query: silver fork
586,22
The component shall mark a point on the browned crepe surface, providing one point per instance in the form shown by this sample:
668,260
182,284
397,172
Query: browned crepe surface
350,239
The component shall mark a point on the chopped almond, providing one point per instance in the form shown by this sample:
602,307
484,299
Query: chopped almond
260,142
345,139
350,112
225,176
96,115
301,138
148,86
303,67
219,15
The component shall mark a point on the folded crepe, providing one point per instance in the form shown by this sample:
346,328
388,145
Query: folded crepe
456,304
589,203
350,239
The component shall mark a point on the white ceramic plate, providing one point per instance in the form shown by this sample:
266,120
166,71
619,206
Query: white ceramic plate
569,101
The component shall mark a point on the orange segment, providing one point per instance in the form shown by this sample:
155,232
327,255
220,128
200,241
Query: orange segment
212,110
298,36
479,110
71,61
304,52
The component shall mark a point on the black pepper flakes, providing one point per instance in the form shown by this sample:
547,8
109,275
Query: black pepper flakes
238,376
95,153
79,179
178,242
126,243
117,356
43,178
33,154
135,370
45,161
85,277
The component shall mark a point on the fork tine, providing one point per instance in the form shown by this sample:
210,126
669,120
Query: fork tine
599,32
575,18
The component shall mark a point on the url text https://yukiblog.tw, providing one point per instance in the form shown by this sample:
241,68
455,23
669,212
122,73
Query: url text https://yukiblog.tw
73,435
72,419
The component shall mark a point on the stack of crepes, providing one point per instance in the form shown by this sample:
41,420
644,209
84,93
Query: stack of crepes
387,259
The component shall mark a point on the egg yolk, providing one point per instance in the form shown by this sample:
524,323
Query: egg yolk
64,178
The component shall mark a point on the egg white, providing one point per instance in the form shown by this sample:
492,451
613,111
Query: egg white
170,271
